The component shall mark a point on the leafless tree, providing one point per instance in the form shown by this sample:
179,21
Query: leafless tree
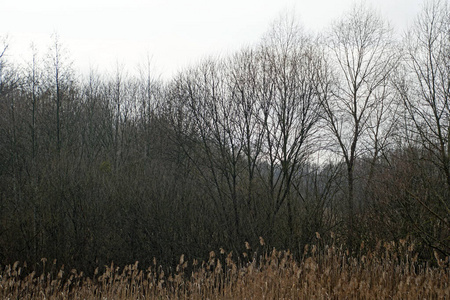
215,147
60,79
290,110
426,88
2,65
9,78
243,84
425,91
363,55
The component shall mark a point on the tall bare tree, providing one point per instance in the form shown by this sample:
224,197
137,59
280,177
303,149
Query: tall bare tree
216,146
60,79
425,90
290,111
362,54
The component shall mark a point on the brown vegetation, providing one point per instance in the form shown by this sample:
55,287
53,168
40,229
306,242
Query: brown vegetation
297,136
391,271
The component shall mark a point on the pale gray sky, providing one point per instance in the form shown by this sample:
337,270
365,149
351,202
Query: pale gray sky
176,33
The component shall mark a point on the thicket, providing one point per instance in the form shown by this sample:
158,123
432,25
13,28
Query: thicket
345,132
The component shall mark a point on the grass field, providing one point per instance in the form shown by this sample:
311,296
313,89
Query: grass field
391,271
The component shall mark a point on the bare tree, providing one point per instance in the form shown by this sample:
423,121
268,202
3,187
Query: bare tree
8,74
215,147
425,90
290,113
60,79
150,94
363,55
2,65
33,84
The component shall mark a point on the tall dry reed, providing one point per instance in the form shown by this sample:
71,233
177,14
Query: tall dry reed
391,271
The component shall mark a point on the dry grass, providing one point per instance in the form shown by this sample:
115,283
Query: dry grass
389,272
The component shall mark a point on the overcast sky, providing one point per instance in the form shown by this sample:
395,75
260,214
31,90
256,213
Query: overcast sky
175,33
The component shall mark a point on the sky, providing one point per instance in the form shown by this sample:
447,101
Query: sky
173,34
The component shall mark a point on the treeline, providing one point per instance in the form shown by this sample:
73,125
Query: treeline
345,135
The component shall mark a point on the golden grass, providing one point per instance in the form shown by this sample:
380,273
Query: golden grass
389,272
